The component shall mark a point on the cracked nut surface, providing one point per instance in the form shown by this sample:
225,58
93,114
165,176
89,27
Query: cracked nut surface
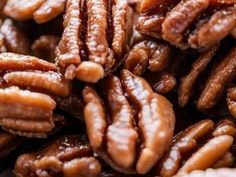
129,98
68,156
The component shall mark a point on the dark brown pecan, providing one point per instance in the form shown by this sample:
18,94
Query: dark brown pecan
217,28
187,23
222,172
208,89
8,143
188,81
95,38
216,84
151,59
199,147
40,10
27,112
68,156
121,136
231,100
45,47
148,54
13,39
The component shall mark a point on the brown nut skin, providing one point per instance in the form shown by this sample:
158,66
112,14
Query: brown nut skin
14,40
222,172
8,143
147,54
28,87
231,94
156,127
66,156
187,23
187,82
40,10
94,42
220,76
185,143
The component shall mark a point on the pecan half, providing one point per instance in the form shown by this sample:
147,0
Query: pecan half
222,172
29,112
231,101
208,87
66,156
95,38
199,147
13,39
187,23
8,143
120,137
40,10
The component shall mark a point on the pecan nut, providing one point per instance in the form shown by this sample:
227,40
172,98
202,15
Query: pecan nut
13,40
68,156
121,138
188,23
95,38
40,10
200,146
24,110
213,88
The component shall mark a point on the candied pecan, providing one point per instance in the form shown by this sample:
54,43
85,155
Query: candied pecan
187,23
155,125
220,76
147,54
40,10
188,81
27,112
222,172
13,39
209,77
231,101
68,156
180,18
95,38
219,26
8,142
199,147
45,47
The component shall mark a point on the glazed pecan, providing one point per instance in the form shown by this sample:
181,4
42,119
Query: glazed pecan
200,146
96,35
8,143
222,172
29,112
221,75
129,98
45,47
188,23
231,100
153,60
12,39
68,156
40,10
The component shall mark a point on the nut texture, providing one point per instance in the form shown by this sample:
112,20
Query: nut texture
155,124
67,156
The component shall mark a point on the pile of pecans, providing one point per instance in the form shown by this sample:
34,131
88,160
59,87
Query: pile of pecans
118,88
